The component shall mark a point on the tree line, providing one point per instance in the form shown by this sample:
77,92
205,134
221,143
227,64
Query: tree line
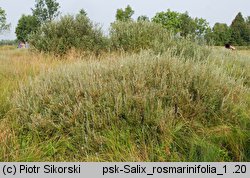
238,33
179,24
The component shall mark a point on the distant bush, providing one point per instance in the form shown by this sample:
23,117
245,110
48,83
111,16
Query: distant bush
8,42
69,32
135,36
80,33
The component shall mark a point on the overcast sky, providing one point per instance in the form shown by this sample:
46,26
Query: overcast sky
103,11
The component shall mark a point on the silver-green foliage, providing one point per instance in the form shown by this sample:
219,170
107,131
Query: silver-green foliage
145,107
69,32
135,36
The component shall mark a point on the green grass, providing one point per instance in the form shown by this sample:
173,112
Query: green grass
129,107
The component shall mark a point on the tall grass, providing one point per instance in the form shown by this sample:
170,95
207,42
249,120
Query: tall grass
139,107
17,66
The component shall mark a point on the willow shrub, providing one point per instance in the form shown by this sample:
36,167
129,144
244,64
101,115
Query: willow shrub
136,36
69,32
144,107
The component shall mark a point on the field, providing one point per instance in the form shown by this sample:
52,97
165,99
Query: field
125,107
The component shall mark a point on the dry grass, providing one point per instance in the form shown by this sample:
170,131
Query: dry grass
16,66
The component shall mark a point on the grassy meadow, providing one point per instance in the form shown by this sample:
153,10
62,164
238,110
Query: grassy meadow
143,106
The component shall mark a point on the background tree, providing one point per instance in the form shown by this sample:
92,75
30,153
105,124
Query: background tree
26,25
143,18
83,12
209,36
248,20
221,34
46,10
202,26
187,25
124,15
248,29
170,20
240,33
4,26
247,38
182,23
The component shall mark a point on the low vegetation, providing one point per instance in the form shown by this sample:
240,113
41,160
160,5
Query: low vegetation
127,107
145,92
